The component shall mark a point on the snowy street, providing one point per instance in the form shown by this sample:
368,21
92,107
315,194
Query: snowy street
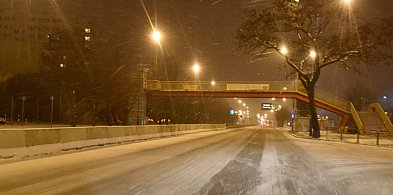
251,160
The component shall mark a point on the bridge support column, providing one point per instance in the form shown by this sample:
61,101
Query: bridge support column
343,121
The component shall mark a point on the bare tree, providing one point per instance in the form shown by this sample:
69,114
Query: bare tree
312,35
360,95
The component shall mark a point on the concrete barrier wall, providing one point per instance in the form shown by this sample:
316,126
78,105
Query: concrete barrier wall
99,135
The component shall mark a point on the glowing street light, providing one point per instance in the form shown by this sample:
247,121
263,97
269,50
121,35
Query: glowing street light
347,1
213,83
240,101
156,36
313,54
244,104
284,51
196,68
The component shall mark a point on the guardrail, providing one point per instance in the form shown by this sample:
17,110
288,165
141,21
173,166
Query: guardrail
247,86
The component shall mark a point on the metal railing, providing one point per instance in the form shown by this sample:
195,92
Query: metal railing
375,137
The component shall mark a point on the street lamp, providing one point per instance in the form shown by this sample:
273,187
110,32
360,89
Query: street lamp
23,107
62,65
347,2
313,54
284,51
196,68
73,122
52,98
213,83
156,36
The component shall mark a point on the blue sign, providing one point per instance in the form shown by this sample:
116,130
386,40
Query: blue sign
292,116
232,112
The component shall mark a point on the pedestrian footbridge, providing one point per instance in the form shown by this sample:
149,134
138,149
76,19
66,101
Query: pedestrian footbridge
269,89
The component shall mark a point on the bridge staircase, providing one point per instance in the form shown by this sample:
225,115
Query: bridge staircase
372,123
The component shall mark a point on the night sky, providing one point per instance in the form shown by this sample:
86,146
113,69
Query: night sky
204,31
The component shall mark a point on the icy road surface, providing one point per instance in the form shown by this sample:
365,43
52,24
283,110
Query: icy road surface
242,161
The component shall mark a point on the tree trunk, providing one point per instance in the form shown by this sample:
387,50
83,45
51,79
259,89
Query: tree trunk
314,125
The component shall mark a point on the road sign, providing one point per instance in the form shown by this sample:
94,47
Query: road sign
292,116
266,106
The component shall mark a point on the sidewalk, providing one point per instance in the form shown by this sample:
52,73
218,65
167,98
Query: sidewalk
385,140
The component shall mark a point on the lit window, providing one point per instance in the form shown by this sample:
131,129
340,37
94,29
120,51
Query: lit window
87,30
87,38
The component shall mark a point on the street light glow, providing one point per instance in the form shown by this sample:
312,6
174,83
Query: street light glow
240,101
347,1
284,51
156,36
213,83
196,68
313,54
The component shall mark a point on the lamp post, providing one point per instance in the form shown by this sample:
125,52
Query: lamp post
284,51
61,89
23,107
52,98
156,37
74,109
196,69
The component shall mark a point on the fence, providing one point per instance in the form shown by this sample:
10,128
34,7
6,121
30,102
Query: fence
375,138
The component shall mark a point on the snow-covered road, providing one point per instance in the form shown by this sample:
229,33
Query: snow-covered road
250,160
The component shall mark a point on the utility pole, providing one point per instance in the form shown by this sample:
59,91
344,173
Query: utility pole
73,109
52,98
12,108
23,107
